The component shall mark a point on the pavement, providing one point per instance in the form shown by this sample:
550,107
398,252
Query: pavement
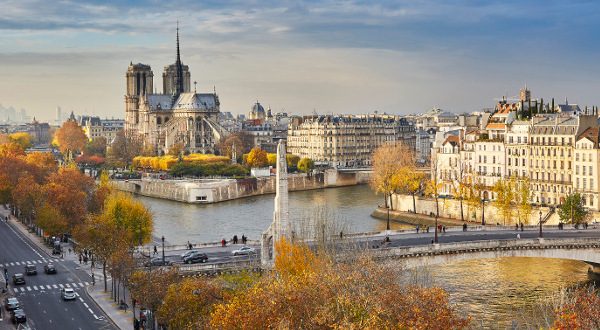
40,295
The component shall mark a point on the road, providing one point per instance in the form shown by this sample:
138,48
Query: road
224,254
40,295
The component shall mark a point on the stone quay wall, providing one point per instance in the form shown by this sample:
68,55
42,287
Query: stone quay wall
217,190
450,209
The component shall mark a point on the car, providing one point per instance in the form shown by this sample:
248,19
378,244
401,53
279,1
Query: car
67,294
195,258
157,261
11,303
30,269
18,316
244,250
49,269
187,253
18,278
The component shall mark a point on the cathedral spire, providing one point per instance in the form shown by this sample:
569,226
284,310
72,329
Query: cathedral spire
179,88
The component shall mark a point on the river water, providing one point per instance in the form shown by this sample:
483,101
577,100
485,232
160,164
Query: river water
494,292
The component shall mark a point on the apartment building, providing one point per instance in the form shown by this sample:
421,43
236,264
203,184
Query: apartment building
94,127
346,140
586,159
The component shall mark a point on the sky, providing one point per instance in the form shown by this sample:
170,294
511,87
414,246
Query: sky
301,57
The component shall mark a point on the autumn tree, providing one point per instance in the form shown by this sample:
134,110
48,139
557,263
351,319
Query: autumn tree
434,186
176,149
579,310
130,216
257,158
460,188
149,287
96,147
70,138
23,139
505,195
188,304
28,197
50,220
388,160
123,149
292,160
475,190
573,210
305,164
242,142
309,291
523,200
70,191
11,149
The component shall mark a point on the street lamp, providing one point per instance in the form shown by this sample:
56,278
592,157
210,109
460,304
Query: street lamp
163,249
541,235
483,212
387,227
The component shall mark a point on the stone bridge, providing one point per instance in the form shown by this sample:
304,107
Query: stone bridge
582,249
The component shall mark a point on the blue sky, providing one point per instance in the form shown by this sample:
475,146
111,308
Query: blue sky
301,56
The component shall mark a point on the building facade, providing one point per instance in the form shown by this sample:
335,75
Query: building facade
95,127
346,141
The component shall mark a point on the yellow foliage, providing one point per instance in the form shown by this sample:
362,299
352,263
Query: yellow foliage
164,163
131,216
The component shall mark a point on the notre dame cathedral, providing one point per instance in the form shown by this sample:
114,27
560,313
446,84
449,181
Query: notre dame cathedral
178,115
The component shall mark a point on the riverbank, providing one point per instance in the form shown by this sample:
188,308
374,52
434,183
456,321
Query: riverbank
209,191
410,218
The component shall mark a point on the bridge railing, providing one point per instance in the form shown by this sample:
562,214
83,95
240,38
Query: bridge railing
250,263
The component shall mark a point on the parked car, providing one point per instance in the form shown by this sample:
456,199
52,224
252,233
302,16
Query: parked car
187,253
11,304
195,258
18,316
49,269
157,261
30,269
67,294
18,278
244,250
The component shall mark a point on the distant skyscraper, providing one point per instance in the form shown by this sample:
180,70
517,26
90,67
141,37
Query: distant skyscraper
58,120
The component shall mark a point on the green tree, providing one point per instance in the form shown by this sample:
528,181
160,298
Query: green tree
573,210
305,164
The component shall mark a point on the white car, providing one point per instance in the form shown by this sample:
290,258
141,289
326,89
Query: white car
245,250
68,294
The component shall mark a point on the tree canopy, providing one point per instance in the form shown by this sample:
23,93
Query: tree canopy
573,210
257,158
70,137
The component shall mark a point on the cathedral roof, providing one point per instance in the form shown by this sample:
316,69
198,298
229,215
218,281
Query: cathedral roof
193,101
159,101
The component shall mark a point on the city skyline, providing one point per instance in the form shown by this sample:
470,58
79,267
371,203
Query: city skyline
352,57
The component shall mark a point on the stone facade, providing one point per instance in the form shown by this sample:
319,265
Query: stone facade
346,141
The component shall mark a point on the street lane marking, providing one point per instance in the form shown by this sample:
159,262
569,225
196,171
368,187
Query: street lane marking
28,289
87,283
23,240
81,284
86,305
12,263
61,286
35,288
49,287
91,312
55,286
67,285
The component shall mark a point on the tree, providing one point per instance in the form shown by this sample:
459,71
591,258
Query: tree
305,164
573,210
70,138
257,158
580,310
50,220
11,149
71,192
460,188
130,216
412,183
523,197
23,139
28,197
310,291
123,149
388,160
475,193
241,141
504,201
188,304
292,160
176,149
96,147
150,287
433,186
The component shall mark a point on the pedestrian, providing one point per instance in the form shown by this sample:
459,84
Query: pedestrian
417,228
235,239
464,227
244,239
80,258
521,226
516,226
189,245
69,250
93,279
427,228
518,236
223,242
443,229
341,234
155,250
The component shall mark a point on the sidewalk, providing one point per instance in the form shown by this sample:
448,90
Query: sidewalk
120,318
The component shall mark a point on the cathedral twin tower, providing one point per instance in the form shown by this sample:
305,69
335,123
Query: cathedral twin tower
177,116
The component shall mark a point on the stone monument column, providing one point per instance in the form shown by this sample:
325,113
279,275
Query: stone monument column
280,227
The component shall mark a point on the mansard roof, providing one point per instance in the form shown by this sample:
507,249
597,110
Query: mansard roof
591,133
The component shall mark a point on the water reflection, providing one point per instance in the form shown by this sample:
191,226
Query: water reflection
497,291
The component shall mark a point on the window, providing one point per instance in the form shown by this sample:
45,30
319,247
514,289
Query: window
583,170
591,172
576,169
592,184
584,183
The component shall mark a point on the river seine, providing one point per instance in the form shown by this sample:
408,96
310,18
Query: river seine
496,293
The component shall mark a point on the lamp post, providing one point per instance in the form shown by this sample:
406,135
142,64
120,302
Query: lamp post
541,235
387,227
483,212
163,249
